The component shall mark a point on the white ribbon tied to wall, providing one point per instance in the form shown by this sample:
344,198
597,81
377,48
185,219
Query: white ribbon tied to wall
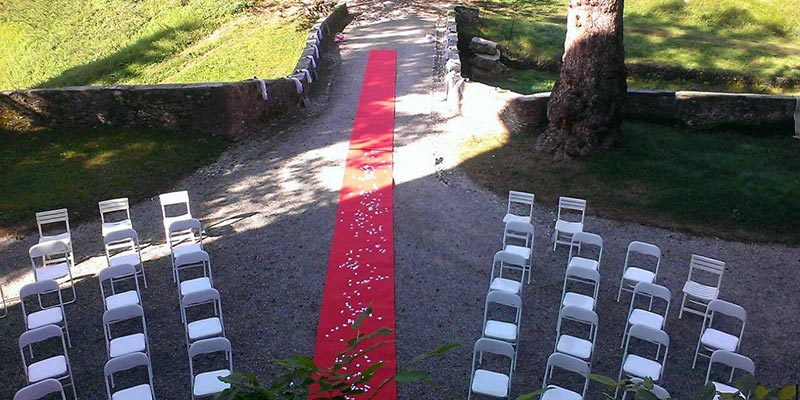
797,118
313,61
307,74
316,50
298,84
319,34
263,84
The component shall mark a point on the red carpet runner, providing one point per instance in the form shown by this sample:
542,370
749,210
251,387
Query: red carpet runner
361,265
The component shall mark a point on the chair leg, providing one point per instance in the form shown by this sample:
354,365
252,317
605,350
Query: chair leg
683,305
696,352
619,293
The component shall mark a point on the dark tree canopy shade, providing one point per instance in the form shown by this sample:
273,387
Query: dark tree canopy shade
585,108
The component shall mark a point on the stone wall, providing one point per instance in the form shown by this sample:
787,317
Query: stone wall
229,109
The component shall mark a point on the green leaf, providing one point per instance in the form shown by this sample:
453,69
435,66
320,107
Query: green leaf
788,393
746,383
761,392
361,318
602,379
644,394
707,392
438,352
532,395
408,376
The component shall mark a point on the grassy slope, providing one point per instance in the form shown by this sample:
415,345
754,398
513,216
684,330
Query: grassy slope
756,38
51,43
724,184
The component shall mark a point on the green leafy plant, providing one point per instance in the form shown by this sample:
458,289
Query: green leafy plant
304,379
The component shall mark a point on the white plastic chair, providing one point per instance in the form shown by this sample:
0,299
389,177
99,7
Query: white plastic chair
518,238
711,338
580,346
639,366
54,225
507,331
113,276
649,315
567,363
208,383
56,367
702,286
40,390
184,237
53,261
520,207
174,207
735,362
51,315
122,247
581,276
115,214
487,382
658,391
564,228
580,240
207,326
633,274
193,261
135,342
128,362
504,265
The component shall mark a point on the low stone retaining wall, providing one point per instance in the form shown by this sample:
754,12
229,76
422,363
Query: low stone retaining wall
230,109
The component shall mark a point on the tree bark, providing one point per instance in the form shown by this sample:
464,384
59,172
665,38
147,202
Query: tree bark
585,107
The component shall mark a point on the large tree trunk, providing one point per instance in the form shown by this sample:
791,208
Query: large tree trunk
585,107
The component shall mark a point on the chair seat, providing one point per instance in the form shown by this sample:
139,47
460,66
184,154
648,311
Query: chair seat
208,382
501,330
642,367
719,340
644,317
126,345
45,317
129,257
54,271
521,251
122,299
52,367
583,262
65,238
140,392
559,393
490,383
195,285
186,248
704,292
516,218
723,388
569,227
110,227
578,300
204,328
573,346
505,285
638,275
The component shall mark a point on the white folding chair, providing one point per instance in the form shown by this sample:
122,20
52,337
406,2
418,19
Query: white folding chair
734,361
565,228
193,261
41,390
113,276
566,363
174,207
56,367
658,391
184,237
702,286
581,240
50,315
640,366
711,338
649,315
583,277
53,261
635,273
208,325
124,363
54,225
518,238
487,382
208,383
134,340
577,345
520,207
502,329
504,266
115,214
122,247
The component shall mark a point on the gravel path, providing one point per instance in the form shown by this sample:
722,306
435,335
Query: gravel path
268,205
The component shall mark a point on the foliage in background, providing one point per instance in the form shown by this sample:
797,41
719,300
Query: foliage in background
305,380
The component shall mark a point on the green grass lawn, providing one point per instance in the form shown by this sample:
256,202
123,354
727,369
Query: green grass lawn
53,43
749,45
726,184
76,168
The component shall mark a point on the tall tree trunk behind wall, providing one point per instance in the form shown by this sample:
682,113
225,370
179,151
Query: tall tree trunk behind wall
585,107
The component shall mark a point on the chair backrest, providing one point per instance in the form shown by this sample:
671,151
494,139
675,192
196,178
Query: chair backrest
174,199
40,334
520,203
708,265
504,259
567,363
53,217
571,203
653,290
584,238
646,249
116,272
583,274
522,231
646,333
580,315
726,308
40,390
200,297
114,206
49,248
184,230
191,258
124,363
123,313
121,235
208,346
504,298
37,289
731,360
